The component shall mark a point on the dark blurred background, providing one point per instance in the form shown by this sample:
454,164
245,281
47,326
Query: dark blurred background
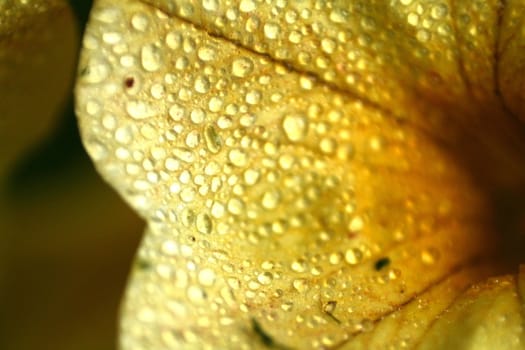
70,244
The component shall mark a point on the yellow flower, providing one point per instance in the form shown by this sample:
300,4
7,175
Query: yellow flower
66,241
314,175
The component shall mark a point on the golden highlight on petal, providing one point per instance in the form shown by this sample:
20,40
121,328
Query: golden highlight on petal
313,175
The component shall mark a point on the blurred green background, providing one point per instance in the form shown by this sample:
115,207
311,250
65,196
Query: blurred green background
68,245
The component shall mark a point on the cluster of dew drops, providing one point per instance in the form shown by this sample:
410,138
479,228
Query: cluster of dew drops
243,168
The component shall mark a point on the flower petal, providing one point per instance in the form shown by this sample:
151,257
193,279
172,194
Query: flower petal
37,56
287,205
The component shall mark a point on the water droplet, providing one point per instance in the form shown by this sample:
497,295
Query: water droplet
217,210
353,256
328,45
327,145
439,11
413,19
300,284
203,223
253,97
96,149
335,258
251,176
247,6
111,38
196,294
235,206
287,306
423,35
242,67
271,199
238,157
356,224
429,256
298,266
210,5
140,22
202,85
150,57
215,104
192,139
265,278
271,30
140,109
123,135
338,15
295,127
213,140
174,40
206,277
176,112
183,154
96,71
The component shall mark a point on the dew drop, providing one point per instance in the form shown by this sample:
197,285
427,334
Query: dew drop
271,30
429,256
242,67
203,223
217,210
238,157
150,56
235,206
123,135
335,258
183,154
300,284
111,38
96,71
295,127
423,35
253,97
140,109
247,6
195,294
298,266
251,176
213,140
210,5
176,112
140,22
287,306
96,149
353,256
271,199
265,278
439,11
206,277
174,40
202,85
215,104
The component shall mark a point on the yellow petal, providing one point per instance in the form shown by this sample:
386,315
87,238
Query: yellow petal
510,57
488,316
38,40
308,173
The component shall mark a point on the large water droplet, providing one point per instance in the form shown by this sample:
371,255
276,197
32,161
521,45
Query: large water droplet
140,109
213,140
150,57
295,127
